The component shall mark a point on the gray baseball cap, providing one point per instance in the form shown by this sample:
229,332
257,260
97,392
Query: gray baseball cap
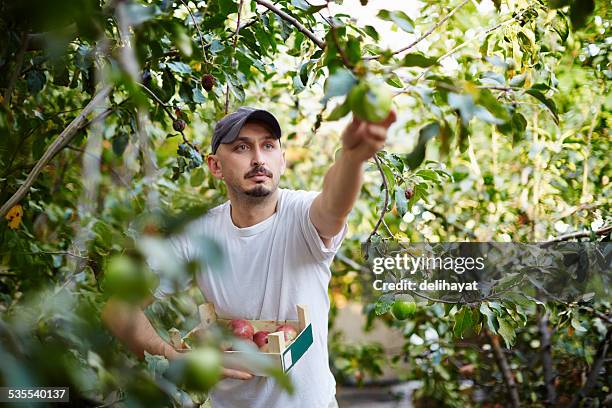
228,128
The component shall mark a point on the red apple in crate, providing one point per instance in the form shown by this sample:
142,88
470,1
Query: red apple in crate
261,339
242,328
289,330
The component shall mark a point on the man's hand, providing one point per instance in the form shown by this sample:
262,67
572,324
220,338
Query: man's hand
236,374
362,139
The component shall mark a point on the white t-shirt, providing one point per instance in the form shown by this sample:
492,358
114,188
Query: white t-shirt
270,267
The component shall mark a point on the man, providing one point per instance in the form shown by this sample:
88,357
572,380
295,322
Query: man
279,244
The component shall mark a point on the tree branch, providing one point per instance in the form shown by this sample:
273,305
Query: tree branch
195,24
16,71
476,37
384,209
427,33
504,367
547,361
602,352
293,21
579,234
64,138
227,86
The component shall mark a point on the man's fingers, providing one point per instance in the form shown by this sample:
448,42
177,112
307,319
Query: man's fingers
389,120
236,374
376,132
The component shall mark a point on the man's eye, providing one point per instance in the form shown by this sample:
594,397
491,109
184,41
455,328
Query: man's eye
241,147
269,146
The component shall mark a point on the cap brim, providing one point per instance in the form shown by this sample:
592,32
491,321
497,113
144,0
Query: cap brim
262,115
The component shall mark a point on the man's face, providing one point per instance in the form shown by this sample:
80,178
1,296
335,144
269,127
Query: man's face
251,166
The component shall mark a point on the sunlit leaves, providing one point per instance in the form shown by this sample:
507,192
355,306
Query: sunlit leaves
418,60
416,157
339,83
536,92
399,18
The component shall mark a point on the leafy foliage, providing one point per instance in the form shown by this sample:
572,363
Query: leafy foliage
503,134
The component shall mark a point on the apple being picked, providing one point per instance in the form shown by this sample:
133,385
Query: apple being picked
261,339
242,328
289,330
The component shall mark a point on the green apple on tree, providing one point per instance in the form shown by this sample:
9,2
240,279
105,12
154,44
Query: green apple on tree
404,307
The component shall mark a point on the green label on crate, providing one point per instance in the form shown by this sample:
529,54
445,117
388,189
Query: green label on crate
297,348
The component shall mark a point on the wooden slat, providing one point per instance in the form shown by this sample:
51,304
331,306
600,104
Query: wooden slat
303,317
276,342
207,314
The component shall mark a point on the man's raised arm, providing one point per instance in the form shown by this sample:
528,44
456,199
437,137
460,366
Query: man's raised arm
360,141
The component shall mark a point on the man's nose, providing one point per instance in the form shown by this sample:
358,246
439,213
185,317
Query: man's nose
258,158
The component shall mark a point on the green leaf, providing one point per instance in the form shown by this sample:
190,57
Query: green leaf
508,281
198,96
519,124
549,103
137,13
371,31
417,59
395,81
464,103
463,321
506,330
401,203
339,83
384,303
579,11
399,18
120,142
518,80
36,81
416,157
490,316
576,325
561,25
301,4
339,111
197,177
179,67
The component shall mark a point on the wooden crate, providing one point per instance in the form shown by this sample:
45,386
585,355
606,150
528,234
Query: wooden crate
280,355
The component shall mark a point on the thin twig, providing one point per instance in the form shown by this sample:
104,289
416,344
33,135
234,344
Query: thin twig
384,209
352,263
159,101
320,43
227,86
16,72
78,149
465,43
579,234
64,138
435,300
427,33
343,55
169,112
602,352
199,33
547,362
504,367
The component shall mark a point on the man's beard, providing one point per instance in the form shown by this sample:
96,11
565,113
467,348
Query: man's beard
256,194
258,191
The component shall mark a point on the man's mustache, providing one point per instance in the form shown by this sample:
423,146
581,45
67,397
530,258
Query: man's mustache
258,169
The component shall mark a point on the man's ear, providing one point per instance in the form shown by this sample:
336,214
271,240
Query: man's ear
214,165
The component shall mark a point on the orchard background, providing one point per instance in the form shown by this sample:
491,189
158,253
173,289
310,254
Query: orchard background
106,113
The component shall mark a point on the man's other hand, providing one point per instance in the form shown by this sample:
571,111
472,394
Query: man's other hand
236,374
363,139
